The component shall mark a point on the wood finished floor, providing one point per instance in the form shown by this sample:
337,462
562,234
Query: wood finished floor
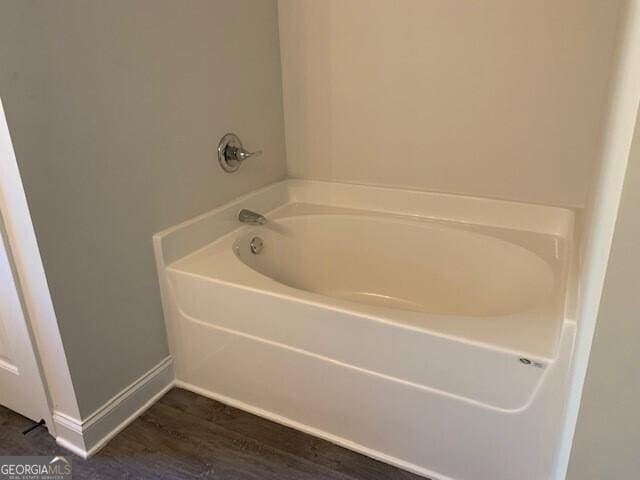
186,436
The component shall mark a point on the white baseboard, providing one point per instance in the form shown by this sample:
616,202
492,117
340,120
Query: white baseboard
86,437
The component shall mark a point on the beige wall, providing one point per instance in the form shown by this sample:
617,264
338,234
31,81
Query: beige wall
499,98
116,108
607,439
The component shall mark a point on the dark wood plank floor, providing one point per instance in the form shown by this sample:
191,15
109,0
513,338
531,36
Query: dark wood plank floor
186,436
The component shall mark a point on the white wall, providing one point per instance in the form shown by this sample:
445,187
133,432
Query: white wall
602,209
115,109
607,439
500,98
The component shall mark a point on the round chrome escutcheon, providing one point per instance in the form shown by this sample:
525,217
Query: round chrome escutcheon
256,245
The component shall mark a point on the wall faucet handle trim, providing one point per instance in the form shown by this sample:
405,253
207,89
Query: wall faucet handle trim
231,153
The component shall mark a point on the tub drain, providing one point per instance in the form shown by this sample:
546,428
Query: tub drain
256,245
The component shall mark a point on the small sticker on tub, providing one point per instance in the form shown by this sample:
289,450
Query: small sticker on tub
533,363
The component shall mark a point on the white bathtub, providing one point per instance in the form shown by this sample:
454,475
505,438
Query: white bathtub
427,330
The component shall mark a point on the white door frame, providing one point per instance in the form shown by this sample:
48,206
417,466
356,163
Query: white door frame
23,388
32,285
